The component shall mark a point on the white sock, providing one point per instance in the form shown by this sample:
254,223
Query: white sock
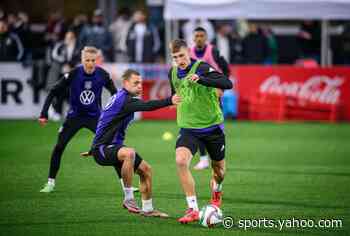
129,193
51,181
122,183
218,187
147,205
192,202
204,158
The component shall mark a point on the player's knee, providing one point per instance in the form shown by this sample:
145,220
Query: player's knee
182,161
130,154
183,157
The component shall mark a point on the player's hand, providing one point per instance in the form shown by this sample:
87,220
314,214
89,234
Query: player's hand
194,78
176,99
85,154
42,121
220,92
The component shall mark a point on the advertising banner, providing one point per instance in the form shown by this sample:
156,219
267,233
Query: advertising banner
324,86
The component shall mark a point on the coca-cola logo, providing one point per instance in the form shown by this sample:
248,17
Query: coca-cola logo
318,88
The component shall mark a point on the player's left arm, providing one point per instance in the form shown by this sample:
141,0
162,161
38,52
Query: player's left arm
207,76
221,61
109,85
171,82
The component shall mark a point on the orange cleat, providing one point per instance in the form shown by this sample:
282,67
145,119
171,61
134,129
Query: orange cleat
190,216
216,198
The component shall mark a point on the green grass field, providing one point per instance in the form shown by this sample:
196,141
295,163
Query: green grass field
275,171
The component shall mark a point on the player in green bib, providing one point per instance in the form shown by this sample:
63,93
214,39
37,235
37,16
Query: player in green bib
200,119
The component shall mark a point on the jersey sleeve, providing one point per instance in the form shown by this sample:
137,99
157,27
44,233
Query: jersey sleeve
211,78
62,84
109,83
171,82
134,105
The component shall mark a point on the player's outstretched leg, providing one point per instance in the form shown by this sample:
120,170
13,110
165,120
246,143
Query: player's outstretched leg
204,160
183,159
66,133
54,167
216,182
145,172
127,157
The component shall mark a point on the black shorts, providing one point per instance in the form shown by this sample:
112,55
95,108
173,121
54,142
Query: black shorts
214,142
106,155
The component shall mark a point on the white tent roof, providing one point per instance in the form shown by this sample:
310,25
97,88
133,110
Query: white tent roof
257,9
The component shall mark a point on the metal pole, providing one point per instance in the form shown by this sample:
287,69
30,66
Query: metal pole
324,43
108,8
167,40
112,10
176,29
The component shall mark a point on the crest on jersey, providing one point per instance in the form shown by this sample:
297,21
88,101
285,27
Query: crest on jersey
87,97
88,84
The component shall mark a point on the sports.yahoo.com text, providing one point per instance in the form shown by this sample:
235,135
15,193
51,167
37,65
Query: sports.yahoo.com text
280,224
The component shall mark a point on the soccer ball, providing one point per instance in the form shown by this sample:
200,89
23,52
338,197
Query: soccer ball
167,136
210,215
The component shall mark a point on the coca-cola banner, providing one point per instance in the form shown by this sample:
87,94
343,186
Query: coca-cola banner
318,85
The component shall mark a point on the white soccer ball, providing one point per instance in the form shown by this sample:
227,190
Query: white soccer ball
210,215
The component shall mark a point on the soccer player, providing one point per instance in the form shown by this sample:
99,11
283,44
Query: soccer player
85,84
200,119
108,148
202,50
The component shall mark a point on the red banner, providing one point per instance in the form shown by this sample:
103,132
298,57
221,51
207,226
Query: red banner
323,86
313,91
158,89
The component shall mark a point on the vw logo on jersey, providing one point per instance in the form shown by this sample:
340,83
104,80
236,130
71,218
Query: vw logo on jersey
87,97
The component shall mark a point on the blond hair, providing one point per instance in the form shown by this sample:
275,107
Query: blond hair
90,49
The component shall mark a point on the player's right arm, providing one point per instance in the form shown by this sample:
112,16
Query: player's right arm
60,86
109,83
136,104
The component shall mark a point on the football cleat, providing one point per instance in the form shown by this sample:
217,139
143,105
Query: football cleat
131,206
154,213
201,165
48,188
190,216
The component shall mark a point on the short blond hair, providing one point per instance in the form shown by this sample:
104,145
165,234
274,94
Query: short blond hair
89,49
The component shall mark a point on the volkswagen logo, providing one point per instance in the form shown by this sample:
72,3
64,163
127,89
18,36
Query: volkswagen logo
87,97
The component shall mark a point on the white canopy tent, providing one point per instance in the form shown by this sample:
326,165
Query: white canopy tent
324,10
